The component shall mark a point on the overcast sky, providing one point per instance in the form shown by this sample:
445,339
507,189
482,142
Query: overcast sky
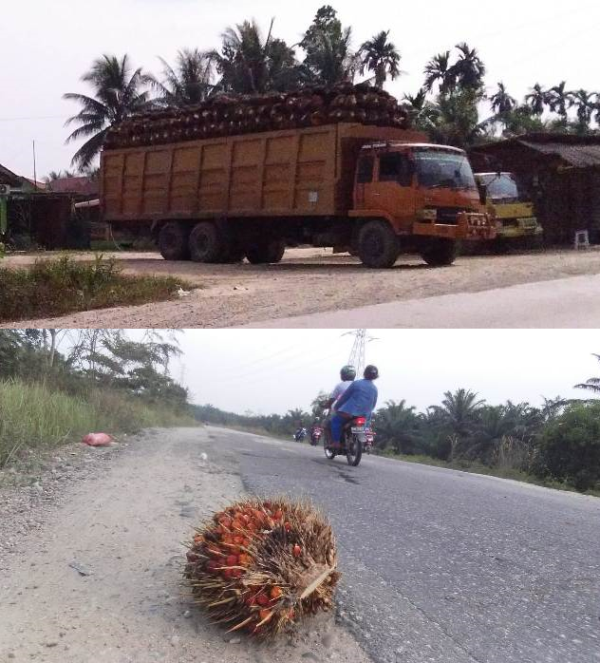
267,371
45,47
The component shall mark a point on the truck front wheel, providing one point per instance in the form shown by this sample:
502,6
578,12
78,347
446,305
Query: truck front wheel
265,252
173,241
207,243
439,252
378,245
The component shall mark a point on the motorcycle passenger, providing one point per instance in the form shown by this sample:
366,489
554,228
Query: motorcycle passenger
347,375
359,400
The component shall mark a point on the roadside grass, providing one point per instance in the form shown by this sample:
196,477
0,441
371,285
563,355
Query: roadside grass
57,287
478,468
35,417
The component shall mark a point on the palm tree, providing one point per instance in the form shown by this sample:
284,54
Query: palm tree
118,93
249,64
332,60
459,411
424,113
439,71
469,70
593,384
55,175
501,101
537,99
558,100
582,100
380,56
397,425
189,83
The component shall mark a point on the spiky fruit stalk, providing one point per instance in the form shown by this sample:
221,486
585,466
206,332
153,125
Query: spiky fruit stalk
261,566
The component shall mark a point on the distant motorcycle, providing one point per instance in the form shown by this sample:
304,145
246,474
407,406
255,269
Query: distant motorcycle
316,435
369,440
300,435
354,437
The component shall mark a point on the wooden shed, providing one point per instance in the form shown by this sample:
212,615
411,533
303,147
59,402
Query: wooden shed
560,172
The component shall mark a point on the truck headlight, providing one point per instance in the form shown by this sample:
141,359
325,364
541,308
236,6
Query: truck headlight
428,215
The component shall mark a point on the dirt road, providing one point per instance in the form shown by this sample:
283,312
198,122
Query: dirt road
312,281
97,576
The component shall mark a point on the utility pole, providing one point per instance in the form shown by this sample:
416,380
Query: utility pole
34,169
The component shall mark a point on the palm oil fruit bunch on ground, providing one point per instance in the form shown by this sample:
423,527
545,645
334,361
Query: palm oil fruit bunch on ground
261,566
231,115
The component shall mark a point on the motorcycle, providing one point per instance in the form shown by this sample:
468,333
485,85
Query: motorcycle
354,438
315,437
369,440
300,435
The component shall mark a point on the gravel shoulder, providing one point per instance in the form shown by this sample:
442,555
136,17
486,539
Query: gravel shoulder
91,553
310,281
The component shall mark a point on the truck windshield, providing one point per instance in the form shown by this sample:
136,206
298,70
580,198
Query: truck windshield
437,169
502,187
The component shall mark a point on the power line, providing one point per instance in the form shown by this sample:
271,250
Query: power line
33,118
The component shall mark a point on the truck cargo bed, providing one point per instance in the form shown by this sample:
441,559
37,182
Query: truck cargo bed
300,172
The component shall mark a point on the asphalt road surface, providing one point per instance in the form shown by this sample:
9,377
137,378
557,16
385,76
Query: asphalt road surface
442,566
571,303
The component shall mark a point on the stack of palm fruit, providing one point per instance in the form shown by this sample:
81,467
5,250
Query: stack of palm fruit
228,115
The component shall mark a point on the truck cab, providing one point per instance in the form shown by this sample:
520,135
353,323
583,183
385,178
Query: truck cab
427,193
511,209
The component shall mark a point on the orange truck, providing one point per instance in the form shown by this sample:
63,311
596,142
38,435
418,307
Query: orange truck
374,191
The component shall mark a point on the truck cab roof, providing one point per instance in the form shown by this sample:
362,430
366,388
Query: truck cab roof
418,146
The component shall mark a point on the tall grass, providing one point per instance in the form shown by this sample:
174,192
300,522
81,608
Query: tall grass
34,416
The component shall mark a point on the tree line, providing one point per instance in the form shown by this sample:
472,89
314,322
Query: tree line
81,361
448,106
559,440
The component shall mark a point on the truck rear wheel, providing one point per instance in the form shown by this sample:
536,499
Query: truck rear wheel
265,252
378,245
207,244
173,241
440,252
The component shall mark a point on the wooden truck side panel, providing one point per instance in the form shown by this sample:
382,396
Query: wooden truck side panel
305,172
280,173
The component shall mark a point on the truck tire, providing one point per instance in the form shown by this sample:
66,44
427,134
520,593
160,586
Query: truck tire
207,244
378,245
173,241
440,252
265,252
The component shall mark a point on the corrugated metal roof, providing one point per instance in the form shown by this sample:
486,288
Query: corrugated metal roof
579,156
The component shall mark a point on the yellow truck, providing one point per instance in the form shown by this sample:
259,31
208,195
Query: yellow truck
509,206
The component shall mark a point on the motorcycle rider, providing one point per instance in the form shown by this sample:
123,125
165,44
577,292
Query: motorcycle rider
359,400
347,376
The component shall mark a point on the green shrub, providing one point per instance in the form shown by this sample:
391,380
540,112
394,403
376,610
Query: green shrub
56,287
569,448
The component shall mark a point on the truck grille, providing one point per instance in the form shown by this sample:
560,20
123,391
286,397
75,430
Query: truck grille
448,215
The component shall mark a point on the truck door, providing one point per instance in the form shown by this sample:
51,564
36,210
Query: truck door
364,177
393,192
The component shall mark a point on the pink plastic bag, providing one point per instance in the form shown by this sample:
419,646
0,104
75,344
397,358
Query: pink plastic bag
98,440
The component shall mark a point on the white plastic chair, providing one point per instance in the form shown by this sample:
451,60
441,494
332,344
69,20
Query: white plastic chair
582,240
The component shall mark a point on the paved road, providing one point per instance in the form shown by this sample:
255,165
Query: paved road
571,303
446,567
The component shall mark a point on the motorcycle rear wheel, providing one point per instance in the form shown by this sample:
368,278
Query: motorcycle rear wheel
353,450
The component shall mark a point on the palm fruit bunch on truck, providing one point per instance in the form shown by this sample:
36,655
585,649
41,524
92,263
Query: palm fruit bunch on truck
230,115
261,566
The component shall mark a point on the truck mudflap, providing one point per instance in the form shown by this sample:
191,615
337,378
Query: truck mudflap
470,226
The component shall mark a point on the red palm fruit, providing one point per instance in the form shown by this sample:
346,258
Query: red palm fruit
232,560
297,550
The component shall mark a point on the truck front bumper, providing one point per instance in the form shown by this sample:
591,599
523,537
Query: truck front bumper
471,226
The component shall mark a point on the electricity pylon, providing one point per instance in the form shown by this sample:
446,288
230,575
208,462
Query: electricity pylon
358,356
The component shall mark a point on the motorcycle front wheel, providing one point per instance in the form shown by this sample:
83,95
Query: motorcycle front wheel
330,455
353,450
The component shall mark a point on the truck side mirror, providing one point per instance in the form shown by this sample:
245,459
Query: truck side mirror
483,193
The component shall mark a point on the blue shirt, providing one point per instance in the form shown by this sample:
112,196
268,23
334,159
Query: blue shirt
359,400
